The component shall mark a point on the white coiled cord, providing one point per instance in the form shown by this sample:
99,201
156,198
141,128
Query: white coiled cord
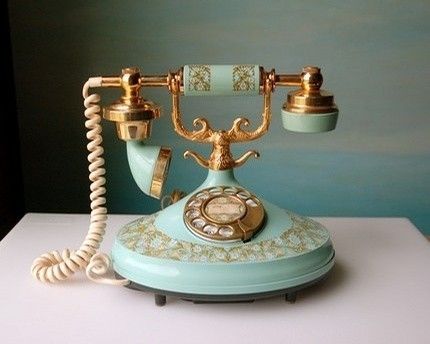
55,266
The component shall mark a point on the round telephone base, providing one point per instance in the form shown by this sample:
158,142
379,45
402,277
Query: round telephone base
289,253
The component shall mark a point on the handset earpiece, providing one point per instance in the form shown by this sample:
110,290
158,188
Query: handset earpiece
309,109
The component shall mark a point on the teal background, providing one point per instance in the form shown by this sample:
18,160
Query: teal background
374,57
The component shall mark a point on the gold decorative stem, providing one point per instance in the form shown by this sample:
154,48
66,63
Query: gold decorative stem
202,135
237,134
221,157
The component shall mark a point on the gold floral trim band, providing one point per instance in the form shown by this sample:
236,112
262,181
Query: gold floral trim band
229,80
141,236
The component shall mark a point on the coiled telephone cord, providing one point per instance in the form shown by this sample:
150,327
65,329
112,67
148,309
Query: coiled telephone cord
57,266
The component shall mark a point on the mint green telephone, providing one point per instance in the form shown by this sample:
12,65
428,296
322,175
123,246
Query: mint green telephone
221,242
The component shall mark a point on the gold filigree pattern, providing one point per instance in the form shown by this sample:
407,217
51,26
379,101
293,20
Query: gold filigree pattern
199,78
244,78
141,236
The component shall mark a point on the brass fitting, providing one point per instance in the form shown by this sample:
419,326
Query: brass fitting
132,113
309,99
311,78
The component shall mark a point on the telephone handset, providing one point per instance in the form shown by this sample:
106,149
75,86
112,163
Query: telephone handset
220,225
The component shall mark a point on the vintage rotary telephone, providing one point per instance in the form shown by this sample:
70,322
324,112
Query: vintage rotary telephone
221,242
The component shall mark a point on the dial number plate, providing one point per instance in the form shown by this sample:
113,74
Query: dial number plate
224,209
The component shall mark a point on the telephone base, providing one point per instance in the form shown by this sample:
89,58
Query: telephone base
160,296
202,272
160,253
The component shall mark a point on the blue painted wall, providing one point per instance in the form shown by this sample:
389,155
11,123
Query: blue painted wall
374,56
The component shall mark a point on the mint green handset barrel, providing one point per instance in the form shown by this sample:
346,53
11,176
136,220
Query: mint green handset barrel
221,80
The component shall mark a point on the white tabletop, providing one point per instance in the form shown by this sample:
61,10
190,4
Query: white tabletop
377,293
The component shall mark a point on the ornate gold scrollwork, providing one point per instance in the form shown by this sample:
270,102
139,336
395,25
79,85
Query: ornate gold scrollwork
221,157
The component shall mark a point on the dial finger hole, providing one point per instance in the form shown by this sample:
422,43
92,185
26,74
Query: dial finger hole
195,203
210,229
244,194
192,214
251,203
226,232
230,190
202,196
215,191
198,223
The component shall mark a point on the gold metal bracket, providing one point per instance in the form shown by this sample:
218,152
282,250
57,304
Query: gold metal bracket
309,98
133,114
221,157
